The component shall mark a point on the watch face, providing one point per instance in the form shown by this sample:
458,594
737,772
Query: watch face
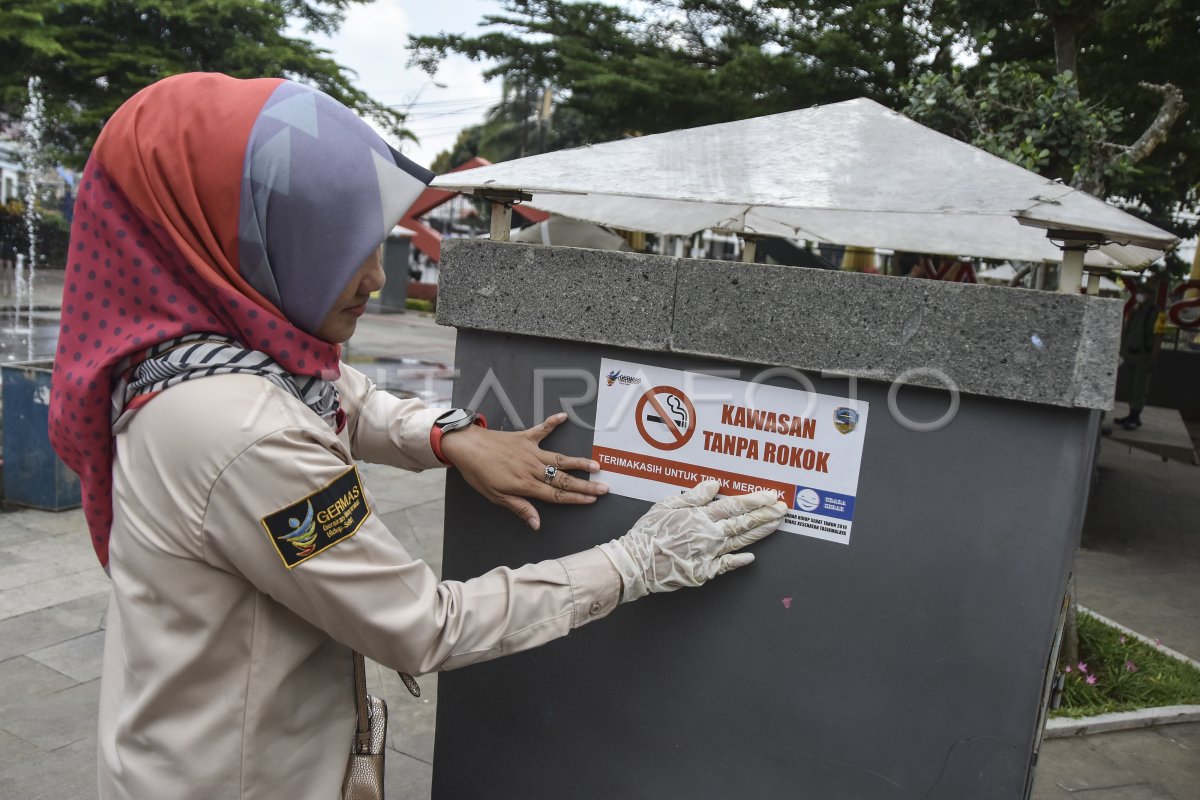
455,418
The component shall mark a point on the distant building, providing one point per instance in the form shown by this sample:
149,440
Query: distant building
12,172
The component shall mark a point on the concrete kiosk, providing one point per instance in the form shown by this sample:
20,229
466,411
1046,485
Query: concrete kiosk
912,661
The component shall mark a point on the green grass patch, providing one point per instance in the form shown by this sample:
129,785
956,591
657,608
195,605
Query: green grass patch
1117,672
416,304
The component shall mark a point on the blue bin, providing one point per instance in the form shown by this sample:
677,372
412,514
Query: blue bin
33,474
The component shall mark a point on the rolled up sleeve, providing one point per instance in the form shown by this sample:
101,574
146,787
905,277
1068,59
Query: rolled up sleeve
364,590
383,428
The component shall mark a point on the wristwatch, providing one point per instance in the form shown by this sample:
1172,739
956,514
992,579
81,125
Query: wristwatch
453,420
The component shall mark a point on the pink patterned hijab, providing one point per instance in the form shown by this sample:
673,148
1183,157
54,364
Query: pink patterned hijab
209,204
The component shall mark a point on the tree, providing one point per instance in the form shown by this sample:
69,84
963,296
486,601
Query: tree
1139,45
542,43
1013,111
91,55
1091,93
695,62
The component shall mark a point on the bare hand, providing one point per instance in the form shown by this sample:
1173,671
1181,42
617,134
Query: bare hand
509,468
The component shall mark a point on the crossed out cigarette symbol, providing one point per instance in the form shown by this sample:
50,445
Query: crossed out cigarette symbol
669,422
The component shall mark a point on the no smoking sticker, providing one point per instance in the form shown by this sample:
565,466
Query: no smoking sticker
660,431
666,418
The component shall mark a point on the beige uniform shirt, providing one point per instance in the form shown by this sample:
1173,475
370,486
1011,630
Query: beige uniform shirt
227,667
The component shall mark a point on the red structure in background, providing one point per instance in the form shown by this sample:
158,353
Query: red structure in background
429,241
956,271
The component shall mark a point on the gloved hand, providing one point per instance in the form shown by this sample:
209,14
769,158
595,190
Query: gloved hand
689,539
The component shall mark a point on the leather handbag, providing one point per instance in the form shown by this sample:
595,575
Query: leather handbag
364,772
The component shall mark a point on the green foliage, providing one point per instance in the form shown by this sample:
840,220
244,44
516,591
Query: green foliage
1015,112
1117,672
685,63
539,44
465,147
1119,47
416,304
91,55
1152,41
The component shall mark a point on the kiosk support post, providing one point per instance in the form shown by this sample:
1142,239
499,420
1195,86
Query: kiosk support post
1071,276
502,202
749,249
501,221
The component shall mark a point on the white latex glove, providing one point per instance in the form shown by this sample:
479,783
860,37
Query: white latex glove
689,539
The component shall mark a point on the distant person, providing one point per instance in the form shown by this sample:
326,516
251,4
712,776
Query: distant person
225,244
1137,354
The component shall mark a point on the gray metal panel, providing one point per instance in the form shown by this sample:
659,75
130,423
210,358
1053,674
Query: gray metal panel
909,664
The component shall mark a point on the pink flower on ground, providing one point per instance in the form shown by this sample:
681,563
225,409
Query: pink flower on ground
1158,642
1130,666
1068,668
1121,640
1091,679
1082,667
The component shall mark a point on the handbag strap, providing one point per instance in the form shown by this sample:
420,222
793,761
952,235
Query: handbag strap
362,733
362,736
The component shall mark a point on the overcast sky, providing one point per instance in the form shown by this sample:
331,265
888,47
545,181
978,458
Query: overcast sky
372,42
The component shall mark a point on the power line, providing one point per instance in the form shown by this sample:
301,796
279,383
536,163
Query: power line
409,90
444,130
429,103
455,112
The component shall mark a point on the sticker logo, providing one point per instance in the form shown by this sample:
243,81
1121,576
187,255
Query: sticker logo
626,380
807,500
316,523
845,419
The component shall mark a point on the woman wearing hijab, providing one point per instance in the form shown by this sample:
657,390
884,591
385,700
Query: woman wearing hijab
225,243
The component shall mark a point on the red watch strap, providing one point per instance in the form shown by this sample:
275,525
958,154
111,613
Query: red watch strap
435,439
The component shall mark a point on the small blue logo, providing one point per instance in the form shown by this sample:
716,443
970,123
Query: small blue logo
824,503
845,419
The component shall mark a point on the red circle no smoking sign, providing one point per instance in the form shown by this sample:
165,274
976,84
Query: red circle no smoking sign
665,418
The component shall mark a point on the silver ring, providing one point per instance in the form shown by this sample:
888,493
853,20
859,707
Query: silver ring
550,473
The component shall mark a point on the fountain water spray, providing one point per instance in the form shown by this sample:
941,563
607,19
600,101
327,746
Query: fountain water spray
35,119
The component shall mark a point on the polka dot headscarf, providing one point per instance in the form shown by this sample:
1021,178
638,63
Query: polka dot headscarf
212,204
